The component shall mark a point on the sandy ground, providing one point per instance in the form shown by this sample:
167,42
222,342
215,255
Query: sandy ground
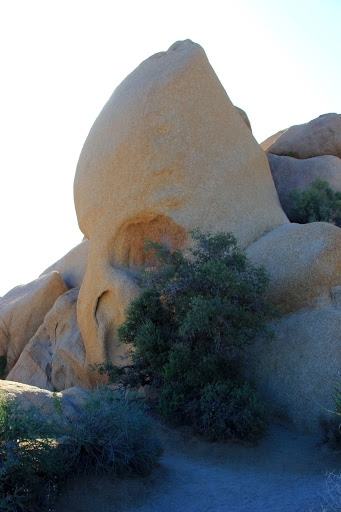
285,472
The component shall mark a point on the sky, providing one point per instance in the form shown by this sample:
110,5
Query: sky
61,61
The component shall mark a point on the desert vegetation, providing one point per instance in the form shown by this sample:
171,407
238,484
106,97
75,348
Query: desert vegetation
38,451
317,203
188,328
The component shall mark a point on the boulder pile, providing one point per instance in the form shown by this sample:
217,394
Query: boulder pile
302,153
168,153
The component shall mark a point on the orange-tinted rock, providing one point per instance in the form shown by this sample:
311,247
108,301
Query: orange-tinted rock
22,311
168,153
303,262
54,358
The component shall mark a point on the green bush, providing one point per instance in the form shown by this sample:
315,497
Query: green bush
188,327
226,409
112,435
318,203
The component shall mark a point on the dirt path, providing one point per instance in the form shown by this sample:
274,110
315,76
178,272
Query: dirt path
285,472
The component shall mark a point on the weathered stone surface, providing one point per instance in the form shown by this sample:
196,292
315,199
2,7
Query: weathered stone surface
321,136
54,358
168,153
72,266
244,116
71,399
166,129
291,173
22,311
303,261
270,140
295,372
107,292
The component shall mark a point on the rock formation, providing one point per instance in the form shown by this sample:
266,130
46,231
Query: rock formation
72,266
169,153
22,311
303,261
72,399
54,358
302,153
321,136
295,173
296,370
270,140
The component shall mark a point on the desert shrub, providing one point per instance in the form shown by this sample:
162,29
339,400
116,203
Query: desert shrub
112,435
318,203
229,408
107,368
31,462
194,316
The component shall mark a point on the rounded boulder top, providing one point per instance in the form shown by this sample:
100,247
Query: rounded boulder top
168,153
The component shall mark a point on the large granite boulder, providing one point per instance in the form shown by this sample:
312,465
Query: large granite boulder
297,370
293,173
54,358
168,153
321,136
303,262
22,311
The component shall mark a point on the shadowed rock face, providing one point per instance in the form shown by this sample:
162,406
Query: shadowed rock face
294,173
168,153
296,370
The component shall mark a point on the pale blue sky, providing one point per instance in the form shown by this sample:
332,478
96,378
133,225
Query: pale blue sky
61,60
